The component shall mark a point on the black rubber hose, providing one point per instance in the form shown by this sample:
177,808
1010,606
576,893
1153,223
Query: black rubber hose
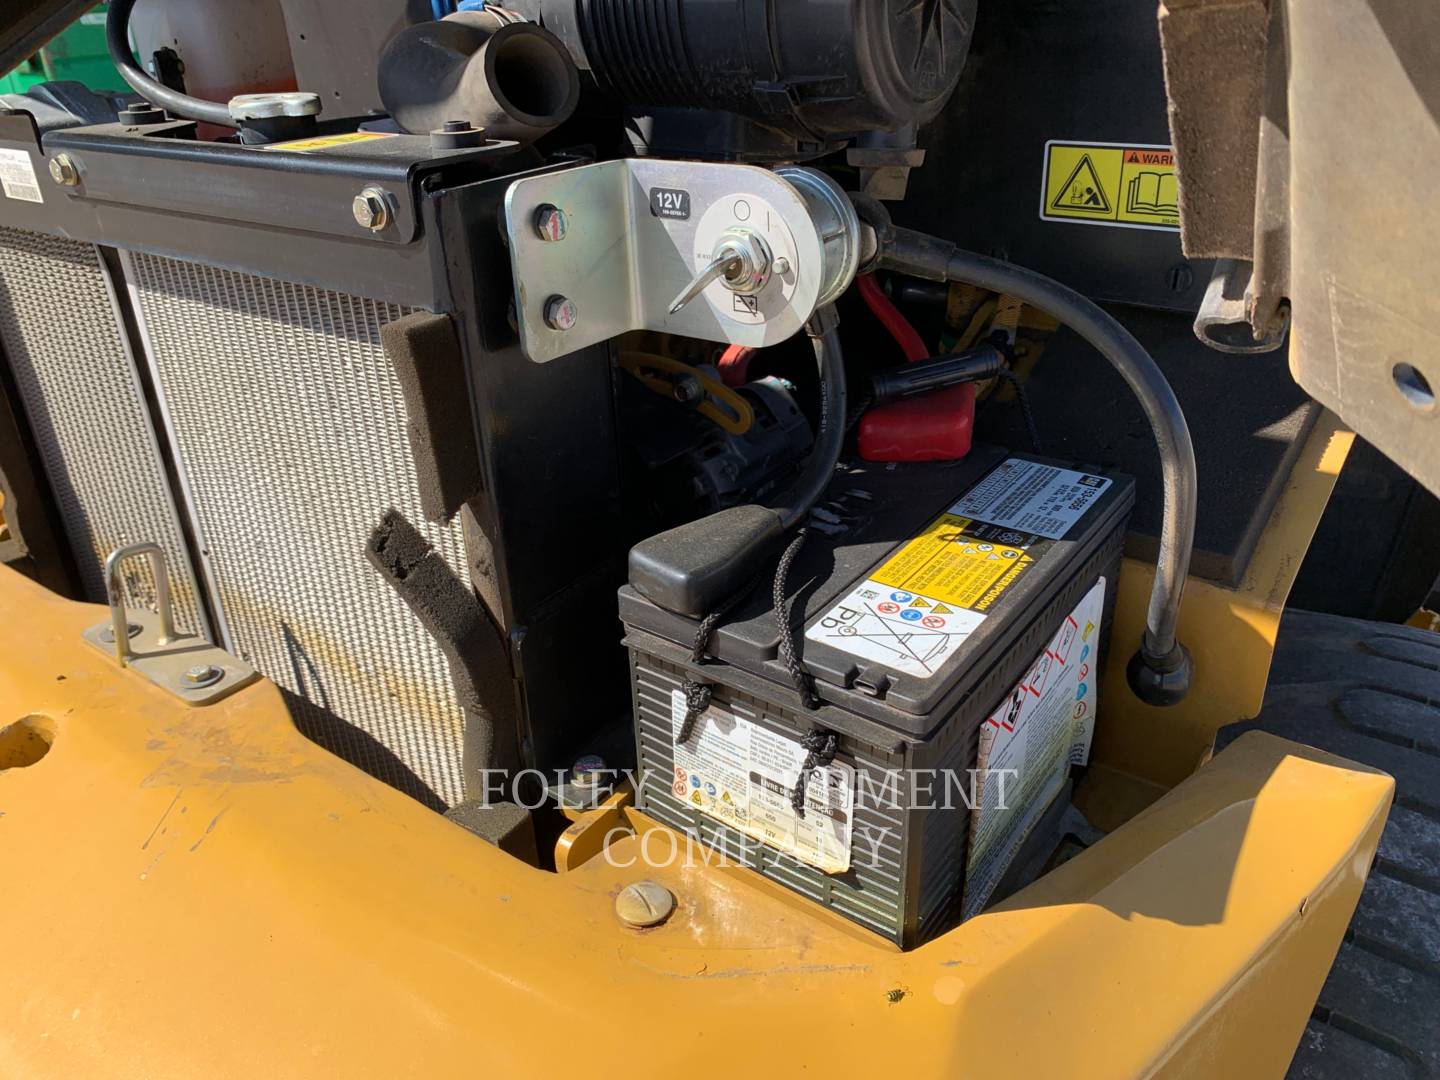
824,330
922,376
117,39
1160,672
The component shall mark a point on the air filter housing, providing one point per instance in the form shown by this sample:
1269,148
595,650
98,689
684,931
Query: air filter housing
818,72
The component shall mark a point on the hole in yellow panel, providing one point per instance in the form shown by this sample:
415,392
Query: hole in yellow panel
25,741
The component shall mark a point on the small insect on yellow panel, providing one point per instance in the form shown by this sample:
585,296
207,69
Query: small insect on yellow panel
1122,185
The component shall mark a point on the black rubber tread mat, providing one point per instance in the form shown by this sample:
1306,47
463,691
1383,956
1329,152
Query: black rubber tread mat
1371,692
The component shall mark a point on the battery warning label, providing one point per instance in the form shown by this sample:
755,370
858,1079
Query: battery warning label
1041,728
743,774
914,611
1129,186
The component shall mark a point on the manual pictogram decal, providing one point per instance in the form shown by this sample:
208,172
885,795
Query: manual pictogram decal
1125,185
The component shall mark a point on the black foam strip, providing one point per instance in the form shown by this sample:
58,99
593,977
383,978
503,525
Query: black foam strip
425,354
474,646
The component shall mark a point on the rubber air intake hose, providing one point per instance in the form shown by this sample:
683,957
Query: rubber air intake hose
1161,671
117,40
514,79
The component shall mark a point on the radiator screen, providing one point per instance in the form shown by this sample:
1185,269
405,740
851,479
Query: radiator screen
79,391
289,431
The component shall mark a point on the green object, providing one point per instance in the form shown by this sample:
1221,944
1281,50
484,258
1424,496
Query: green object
78,52
29,73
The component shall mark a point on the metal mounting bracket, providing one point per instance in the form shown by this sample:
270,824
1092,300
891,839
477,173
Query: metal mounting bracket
603,249
147,643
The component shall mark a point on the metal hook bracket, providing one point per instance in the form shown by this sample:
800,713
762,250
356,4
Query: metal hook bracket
148,644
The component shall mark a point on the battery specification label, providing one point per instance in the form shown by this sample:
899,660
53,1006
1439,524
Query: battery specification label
1031,497
1043,726
17,176
743,774
921,604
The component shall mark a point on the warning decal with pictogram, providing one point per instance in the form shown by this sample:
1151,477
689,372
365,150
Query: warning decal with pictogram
1123,185
1081,191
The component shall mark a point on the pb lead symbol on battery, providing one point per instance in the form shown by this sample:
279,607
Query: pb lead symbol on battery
748,305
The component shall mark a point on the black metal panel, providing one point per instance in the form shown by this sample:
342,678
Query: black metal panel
247,208
1044,70
26,25
551,503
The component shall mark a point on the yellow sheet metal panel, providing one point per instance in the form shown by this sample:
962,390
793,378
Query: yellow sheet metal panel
1231,632
203,892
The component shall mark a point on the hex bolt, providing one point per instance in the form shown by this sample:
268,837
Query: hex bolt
561,313
644,904
63,170
688,390
588,771
551,224
202,675
371,209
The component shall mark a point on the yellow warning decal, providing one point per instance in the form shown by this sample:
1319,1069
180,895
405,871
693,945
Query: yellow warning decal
327,142
1125,185
951,565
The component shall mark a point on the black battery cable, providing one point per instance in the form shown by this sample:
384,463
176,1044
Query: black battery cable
659,563
1162,669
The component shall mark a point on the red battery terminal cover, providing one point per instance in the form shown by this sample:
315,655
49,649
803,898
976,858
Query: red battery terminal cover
937,426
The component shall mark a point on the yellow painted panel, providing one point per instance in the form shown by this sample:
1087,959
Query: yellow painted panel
203,892
1230,632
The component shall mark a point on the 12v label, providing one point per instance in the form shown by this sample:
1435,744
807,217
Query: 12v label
670,203
1119,184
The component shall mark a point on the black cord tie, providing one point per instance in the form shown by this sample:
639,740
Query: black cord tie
1023,397
802,679
820,747
698,694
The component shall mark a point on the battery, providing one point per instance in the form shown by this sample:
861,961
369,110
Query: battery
927,602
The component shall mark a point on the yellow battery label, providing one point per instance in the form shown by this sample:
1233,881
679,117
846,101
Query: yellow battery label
329,142
947,568
922,603
1124,185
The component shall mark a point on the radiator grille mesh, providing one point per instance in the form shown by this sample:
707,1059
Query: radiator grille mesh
289,427
78,388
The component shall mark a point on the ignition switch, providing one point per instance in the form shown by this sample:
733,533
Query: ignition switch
741,263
